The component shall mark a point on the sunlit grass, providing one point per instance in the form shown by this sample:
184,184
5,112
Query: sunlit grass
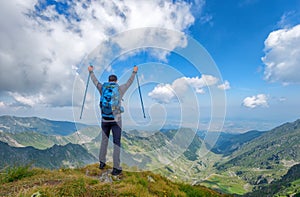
226,184
86,182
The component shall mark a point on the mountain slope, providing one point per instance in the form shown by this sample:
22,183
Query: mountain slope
12,124
277,145
43,141
288,184
236,164
70,155
267,157
227,143
142,151
90,181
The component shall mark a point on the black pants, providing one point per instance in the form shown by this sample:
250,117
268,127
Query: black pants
116,131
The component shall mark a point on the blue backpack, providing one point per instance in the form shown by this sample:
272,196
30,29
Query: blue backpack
110,101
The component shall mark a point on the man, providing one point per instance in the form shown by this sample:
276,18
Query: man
114,123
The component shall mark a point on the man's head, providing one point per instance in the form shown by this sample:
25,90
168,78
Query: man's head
112,78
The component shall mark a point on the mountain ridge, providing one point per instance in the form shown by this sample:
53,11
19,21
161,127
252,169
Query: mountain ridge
236,163
69,155
227,143
268,157
13,124
286,185
288,133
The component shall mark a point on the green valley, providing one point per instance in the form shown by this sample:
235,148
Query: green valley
239,164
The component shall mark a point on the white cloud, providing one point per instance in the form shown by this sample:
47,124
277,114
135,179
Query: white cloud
288,19
256,101
167,14
41,47
199,83
30,101
282,56
157,37
164,93
224,86
2,104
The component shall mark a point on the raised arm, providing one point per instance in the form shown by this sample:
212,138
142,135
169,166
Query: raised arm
125,86
94,78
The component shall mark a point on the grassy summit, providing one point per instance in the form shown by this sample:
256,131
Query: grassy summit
90,181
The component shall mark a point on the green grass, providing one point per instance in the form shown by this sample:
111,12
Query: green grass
43,141
26,182
226,184
37,140
15,173
291,190
197,191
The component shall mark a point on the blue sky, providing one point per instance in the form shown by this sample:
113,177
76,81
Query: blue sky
46,46
239,30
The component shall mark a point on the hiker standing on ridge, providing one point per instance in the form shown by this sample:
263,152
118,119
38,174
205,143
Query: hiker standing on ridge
110,104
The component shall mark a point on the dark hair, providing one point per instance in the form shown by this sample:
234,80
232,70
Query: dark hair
112,78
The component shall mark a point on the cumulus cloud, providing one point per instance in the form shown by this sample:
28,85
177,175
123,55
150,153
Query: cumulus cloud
29,101
256,101
165,93
199,83
282,56
41,43
225,85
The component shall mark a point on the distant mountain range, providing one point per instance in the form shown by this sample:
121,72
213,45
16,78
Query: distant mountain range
12,124
236,163
70,155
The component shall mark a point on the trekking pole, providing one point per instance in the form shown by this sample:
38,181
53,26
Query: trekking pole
137,78
86,87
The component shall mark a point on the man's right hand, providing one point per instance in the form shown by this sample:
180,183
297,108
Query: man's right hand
135,69
90,68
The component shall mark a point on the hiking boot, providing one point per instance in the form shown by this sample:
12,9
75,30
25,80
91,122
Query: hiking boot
116,171
102,165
